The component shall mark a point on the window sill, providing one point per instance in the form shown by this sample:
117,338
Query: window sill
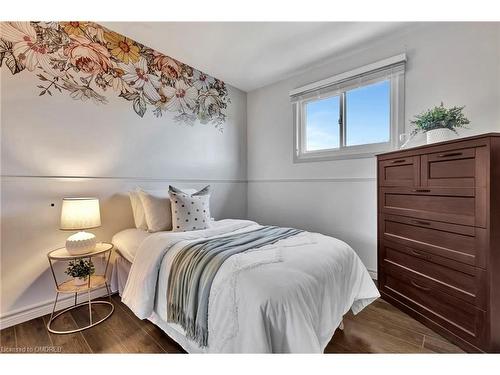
354,152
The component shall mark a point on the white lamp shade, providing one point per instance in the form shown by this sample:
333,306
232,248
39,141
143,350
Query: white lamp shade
80,213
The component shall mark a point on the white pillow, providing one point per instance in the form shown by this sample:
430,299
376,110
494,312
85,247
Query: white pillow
138,211
157,211
156,218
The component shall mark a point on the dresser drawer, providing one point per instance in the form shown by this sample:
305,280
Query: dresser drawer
452,168
402,171
459,279
433,300
452,205
457,242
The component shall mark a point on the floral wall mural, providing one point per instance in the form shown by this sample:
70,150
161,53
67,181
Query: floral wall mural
88,61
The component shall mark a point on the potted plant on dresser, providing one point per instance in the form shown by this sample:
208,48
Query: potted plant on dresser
80,270
439,123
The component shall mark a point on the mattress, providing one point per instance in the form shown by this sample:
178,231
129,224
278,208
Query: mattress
127,242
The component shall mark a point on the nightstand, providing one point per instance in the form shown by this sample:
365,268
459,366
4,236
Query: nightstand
103,249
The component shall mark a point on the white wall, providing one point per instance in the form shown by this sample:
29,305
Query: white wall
54,146
457,63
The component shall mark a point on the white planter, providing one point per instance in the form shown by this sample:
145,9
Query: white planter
440,135
79,281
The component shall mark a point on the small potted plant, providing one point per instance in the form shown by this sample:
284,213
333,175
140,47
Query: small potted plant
439,123
80,270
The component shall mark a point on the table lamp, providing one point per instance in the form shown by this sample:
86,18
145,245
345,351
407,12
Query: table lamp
78,214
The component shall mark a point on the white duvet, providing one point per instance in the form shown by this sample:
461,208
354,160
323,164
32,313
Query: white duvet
288,297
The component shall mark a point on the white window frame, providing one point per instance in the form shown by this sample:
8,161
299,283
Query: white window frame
391,69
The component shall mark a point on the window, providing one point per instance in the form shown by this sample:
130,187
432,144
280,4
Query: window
322,130
354,114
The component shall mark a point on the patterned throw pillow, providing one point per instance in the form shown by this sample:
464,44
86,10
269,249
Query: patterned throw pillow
190,211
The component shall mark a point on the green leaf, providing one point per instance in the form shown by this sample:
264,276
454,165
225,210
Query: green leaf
41,77
129,95
139,106
7,55
3,51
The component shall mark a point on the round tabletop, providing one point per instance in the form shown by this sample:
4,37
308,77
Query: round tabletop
62,253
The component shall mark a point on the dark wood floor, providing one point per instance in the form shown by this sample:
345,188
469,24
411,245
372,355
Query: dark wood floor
379,328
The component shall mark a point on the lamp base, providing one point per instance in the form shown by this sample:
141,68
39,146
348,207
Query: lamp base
81,243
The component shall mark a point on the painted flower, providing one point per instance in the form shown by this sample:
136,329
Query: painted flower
87,56
74,27
137,76
96,32
161,104
209,104
187,72
53,25
101,82
168,66
121,47
105,59
202,81
219,85
114,78
181,97
26,49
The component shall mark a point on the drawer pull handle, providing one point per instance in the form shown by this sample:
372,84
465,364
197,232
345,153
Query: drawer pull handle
421,190
450,154
420,255
398,161
425,289
421,222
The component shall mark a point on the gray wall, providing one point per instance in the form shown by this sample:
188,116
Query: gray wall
54,146
457,63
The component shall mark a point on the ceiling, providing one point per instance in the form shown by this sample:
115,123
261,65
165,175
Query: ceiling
249,55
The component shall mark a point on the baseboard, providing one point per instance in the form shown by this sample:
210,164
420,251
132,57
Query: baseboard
373,274
35,311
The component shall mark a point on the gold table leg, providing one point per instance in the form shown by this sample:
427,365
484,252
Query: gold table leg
91,324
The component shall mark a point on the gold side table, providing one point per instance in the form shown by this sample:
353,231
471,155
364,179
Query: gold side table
103,249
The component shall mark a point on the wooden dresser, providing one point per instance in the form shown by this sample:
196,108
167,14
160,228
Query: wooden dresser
439,237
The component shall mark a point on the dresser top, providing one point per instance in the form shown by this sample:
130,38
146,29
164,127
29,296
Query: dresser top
416,148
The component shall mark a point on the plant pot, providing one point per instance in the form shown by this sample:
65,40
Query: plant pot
440,135
79,281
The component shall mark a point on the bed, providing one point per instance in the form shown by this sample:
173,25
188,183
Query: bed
286,297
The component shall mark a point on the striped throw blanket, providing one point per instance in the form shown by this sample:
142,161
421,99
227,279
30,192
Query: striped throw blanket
193,271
